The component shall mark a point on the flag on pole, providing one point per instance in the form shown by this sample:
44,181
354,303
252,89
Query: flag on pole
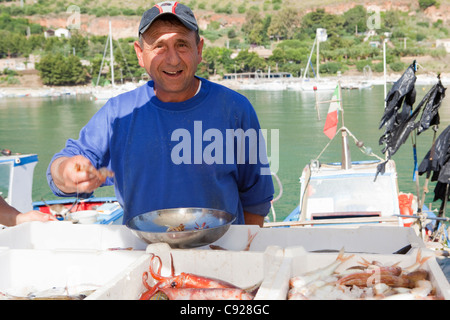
331,121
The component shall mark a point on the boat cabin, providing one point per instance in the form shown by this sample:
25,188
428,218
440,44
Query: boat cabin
330,192
16,180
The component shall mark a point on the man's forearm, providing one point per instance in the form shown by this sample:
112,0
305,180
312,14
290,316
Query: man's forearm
251,218
8,214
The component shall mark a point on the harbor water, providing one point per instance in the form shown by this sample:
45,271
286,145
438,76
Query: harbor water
42,126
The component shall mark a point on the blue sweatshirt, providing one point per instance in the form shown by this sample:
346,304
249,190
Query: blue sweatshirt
204,152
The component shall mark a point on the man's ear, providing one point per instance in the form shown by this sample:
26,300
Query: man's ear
139,53
200,50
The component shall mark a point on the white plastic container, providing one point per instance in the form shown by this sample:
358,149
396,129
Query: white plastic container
297,261
365,239
241,268
25,271
64,235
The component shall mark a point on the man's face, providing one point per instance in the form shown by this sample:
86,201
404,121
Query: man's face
170,55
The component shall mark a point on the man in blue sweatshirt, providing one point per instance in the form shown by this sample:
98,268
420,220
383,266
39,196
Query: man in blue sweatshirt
177,141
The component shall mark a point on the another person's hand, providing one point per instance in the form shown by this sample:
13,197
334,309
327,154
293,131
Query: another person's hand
34,216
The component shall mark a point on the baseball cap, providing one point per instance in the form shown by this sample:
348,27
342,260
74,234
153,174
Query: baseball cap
182,12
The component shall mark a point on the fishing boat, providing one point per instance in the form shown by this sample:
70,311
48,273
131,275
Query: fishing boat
351,193
16,183
16,179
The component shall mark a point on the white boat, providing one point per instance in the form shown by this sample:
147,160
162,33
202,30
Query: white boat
16,184
357,85
347,193
351,193
264,85
315,84
16,179
330,194
103,94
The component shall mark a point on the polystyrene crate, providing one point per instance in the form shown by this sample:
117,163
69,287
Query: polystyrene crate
241,268
298,261
366,239
63,235
24,272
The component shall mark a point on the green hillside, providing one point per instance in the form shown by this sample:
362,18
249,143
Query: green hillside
126,7
236,32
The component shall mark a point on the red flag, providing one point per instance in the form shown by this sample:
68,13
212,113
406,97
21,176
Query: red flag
331,121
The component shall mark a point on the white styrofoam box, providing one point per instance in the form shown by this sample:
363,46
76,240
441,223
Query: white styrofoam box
298,261
66,235
241,268
366,239
24,271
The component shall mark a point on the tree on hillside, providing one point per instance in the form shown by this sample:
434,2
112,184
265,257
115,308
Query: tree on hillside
423,4
255,27
79,43
125,60
283,24
55,69
218,60
390,20
355,19
249,61
252,17
320,19
291,51
13,44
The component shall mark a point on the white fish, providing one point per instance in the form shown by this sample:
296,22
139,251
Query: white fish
304,279
380,288
401,296
308,289
423,288
419,262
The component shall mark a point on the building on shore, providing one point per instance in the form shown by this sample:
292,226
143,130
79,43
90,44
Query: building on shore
256,75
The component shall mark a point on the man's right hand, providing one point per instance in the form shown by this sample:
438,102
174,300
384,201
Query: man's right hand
76,175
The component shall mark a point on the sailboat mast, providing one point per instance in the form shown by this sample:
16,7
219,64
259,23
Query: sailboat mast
321,36
384,70
111,53
317,57
346,161
309,59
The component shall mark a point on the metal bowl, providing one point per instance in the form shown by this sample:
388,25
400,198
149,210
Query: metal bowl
201,226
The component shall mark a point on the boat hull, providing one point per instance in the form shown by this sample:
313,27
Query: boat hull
107,208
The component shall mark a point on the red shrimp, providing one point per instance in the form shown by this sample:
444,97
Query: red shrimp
183,280
206,294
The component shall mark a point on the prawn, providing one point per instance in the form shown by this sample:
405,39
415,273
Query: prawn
183,280
206,294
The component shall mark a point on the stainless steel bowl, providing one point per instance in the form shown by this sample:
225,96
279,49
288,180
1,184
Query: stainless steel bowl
201,226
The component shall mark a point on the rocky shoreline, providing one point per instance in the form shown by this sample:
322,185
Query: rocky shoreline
235,84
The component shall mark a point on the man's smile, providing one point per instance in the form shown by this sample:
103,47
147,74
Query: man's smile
173,73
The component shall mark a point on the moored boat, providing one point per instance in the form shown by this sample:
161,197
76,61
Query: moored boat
350,193
16,184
